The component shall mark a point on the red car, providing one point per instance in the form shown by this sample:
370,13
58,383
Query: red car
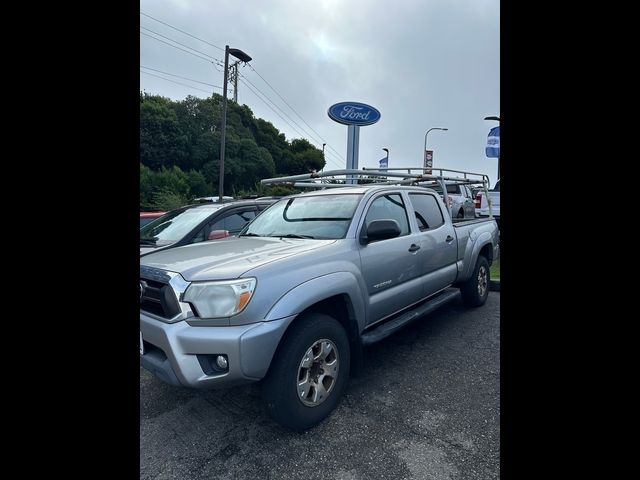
146,217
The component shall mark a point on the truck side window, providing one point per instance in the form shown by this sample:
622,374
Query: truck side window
428,213
453,189
386,207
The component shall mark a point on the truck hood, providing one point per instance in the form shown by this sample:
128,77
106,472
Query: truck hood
227,258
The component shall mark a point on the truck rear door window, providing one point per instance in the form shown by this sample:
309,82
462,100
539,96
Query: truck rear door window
428,213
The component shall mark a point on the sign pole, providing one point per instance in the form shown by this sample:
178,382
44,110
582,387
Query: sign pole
353,145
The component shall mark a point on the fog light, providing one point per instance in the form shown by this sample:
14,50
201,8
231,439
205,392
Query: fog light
221,361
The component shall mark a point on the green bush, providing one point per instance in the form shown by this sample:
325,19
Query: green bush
167,200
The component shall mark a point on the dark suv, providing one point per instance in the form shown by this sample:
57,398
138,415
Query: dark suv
198,223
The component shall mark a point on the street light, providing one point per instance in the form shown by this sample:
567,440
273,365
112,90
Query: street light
387,150
498,120
425,141
240,55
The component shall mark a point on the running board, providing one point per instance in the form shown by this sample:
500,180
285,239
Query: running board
392,326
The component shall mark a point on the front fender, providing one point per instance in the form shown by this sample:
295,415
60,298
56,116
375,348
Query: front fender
317,289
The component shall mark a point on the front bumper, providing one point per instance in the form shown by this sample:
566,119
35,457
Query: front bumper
171,351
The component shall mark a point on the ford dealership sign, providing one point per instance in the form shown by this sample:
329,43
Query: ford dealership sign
353,113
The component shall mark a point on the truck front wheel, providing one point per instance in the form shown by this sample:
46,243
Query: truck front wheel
475,290
309,372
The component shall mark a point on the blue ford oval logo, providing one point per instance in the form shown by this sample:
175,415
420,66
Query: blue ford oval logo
353,113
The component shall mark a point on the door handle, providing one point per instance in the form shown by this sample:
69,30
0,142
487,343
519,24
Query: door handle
414,247
449,239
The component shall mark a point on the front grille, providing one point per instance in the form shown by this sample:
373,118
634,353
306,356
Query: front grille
158,299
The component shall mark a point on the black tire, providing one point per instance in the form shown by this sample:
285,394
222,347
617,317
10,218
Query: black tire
476,290
280,387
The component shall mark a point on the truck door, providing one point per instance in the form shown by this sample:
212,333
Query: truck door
438,244
389,267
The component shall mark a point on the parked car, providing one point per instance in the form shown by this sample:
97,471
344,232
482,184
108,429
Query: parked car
146,217
199,223
461,198
213,199
313,279
482,205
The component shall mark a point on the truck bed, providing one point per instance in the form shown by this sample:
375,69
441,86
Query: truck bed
468,221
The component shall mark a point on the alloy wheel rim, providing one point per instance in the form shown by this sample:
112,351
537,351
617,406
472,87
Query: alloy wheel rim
317,372
482,281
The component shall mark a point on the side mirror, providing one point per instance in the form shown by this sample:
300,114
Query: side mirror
216,234
381,230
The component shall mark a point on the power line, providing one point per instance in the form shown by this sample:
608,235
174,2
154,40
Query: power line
179,76
263,79
182,31
285,113
284,119
171,45
256,94
181,44
219,63
173,81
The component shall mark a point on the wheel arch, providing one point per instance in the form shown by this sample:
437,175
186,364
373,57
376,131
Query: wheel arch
335,295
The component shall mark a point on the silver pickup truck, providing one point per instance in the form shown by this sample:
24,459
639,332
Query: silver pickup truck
306,285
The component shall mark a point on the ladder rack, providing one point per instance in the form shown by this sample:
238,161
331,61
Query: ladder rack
379,176
385,176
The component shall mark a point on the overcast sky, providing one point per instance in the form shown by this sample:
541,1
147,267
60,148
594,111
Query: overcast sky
421,63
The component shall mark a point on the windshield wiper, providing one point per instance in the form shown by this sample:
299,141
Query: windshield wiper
249,235
292,235
148,241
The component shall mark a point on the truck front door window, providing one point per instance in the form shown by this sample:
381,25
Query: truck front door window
389,207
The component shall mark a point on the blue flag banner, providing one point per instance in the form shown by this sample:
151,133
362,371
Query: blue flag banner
384,162
493,143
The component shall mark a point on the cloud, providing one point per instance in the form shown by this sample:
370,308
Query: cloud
421,63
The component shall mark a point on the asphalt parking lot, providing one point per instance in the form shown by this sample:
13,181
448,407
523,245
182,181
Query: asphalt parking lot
426,406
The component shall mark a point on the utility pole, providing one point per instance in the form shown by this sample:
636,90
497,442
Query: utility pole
239,54
223,128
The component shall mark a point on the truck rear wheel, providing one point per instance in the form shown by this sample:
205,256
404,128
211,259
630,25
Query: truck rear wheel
475,290
309,372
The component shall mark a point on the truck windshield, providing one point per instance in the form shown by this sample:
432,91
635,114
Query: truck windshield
325,217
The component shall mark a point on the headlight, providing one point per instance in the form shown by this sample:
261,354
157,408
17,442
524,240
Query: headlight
220,299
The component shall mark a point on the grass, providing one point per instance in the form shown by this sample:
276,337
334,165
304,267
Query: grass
494,270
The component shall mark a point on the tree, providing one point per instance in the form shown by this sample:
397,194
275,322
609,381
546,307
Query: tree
161,139
180,150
